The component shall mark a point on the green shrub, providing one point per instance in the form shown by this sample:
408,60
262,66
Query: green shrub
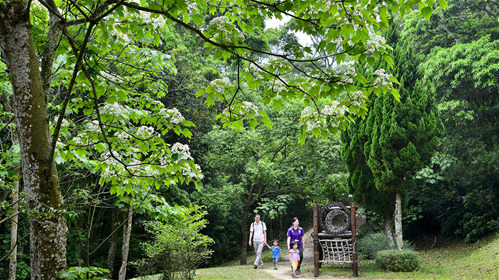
177,247
396,260
78,272
372,243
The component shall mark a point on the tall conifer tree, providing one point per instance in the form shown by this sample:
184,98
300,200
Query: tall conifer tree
361,180
397,139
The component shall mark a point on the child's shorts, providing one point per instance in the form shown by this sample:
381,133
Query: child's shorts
294,265
276,260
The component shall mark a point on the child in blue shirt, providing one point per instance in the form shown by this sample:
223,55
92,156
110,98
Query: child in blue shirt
275,252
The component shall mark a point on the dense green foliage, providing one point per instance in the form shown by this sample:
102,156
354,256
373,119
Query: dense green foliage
89,273
396,260
372,243
132,130
458,193
176,247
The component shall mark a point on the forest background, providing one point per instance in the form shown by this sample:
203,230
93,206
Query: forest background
271,161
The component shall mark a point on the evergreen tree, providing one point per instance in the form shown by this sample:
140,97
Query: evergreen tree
361,180
397,139
405,134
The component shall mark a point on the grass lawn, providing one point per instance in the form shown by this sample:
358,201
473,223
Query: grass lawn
454,261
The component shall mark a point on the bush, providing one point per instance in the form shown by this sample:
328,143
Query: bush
396,260
89,273
177,248
372,243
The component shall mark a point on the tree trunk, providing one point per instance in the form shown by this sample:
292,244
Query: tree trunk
388,221
81,224
114,241
244,246
127,231
398,221
13,233
48,233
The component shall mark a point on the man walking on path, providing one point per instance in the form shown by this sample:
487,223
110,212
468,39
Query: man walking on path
258,233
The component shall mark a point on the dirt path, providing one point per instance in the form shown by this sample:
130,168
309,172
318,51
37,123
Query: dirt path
307,267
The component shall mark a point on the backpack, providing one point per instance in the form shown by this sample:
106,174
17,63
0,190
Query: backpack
263,225
299,230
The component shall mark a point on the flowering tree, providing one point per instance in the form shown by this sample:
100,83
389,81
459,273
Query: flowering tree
83,57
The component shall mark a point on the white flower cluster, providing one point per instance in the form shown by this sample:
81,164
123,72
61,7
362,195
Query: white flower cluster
123,135
382,78
220,24
313,118
220,84
64,123
110,76
115,109
374,43
357,98
255,71
78,140
120,34
93,126
278,87
180,148
184,154
172,115
112,163
148,18
240,109
278,64
334,111
250,107
345,70
145,131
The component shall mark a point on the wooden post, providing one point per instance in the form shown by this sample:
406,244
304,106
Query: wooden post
316,239
355,264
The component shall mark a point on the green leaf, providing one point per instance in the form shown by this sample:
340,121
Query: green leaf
389,60
187,18
395,94
277,104
394,80
371,61
443,4
187,133
426,12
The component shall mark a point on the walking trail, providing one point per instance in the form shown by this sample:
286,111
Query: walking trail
307,266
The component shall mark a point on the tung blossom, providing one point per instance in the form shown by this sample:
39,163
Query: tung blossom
172,115
220,24
220,84
357,98
313,120
382,79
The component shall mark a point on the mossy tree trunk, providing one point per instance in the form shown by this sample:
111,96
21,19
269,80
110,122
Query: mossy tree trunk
48,228
114,241
127,232
388,222
244,246
398,221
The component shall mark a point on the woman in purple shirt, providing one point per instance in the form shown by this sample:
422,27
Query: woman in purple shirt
296,234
